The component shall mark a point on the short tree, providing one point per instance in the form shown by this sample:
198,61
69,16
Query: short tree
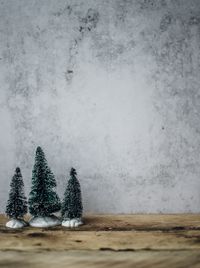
72,203
17,203
43,200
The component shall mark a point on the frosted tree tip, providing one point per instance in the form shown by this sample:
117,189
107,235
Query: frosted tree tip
39,149
17,170
73,171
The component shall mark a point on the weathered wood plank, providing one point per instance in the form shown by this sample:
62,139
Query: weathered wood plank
98,259
34,239
106,241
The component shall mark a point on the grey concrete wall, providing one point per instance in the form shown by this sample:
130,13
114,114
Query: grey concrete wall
109,87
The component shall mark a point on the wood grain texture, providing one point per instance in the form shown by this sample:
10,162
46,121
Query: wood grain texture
106,241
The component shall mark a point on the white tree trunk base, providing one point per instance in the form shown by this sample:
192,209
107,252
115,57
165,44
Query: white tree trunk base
16,223
44,222
71,223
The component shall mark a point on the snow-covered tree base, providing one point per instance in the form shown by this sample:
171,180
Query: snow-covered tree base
43,222
72,222
15,224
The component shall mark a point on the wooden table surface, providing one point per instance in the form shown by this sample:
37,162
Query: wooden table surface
106,241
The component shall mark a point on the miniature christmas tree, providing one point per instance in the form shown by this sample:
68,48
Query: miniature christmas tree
43,200
72,205
17,204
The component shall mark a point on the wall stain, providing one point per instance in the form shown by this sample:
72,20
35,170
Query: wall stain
86,25
165,22
152,4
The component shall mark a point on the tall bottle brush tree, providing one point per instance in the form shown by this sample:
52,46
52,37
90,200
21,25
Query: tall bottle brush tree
72,203
43,200
17,203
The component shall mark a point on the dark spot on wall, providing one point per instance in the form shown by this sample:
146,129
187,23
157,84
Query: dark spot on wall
69,9
81,29
165,22
194,20
69,75
87,24
69,71
152,4
90,21
122,10
62,11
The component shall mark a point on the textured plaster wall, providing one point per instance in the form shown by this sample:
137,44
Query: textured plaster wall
111,87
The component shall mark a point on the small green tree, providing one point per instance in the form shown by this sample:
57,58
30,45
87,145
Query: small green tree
72,203
43,199
17,203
